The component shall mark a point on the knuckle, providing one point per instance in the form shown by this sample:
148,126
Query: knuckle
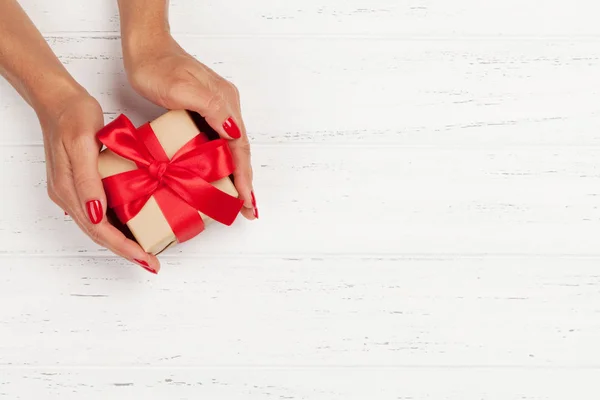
120,246
59,187
77,141
177,85
215,102
52,194
82,180
167,96
79,144
229,88
243,146
244,173
248,173
95,235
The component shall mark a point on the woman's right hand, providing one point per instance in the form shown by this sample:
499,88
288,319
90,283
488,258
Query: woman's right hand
69,126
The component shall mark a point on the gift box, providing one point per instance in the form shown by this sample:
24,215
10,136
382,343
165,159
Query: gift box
167,179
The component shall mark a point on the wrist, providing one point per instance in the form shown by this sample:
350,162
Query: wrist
137,45
143,21
50,101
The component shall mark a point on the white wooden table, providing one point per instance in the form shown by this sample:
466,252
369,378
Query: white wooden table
428,177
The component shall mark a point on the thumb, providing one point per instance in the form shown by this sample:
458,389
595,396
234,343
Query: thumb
83,153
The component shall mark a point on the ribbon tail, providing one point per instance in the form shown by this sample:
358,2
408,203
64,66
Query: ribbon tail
209,200
184,220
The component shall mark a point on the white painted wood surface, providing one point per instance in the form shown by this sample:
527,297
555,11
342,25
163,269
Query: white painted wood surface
371,201
383,18
303,383
351,91
427,176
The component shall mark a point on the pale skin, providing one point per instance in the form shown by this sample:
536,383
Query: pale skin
157,68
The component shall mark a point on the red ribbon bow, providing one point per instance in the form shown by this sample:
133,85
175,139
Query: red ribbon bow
180,185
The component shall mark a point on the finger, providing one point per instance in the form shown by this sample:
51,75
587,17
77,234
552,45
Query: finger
106,235
243,177
82,151
115,240
88,204
248,213
241,148
216,103
243,174
223,113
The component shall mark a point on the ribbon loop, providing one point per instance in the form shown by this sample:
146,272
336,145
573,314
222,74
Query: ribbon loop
180,186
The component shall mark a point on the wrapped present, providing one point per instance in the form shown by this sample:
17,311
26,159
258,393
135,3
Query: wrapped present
166,179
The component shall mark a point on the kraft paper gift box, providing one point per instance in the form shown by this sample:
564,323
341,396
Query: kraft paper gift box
167,182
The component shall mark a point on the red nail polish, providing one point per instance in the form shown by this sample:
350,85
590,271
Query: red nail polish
66,213
255,209
144,265
94,211
232,129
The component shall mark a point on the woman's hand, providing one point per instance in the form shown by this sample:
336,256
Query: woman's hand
69,126
161,71
70,118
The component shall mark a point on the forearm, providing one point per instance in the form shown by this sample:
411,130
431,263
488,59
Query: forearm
143,22
27,62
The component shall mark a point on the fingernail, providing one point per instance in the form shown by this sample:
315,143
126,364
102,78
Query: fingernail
94,211
254,205
144,265
66,213
232,129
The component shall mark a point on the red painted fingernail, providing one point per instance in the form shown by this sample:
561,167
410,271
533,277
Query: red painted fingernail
94,211
254,205
66,213
232,129
144,265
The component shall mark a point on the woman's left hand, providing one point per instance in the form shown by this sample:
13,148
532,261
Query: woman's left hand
164,73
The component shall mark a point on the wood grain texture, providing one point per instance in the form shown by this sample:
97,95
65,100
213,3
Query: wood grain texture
364,200
382,18
320,384
368,91
427,177
310,313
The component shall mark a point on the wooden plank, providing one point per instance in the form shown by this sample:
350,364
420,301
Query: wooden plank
370,91
427,177
363,200
311,384
336,17
268,312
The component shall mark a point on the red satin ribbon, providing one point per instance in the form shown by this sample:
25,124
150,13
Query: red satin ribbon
180,185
